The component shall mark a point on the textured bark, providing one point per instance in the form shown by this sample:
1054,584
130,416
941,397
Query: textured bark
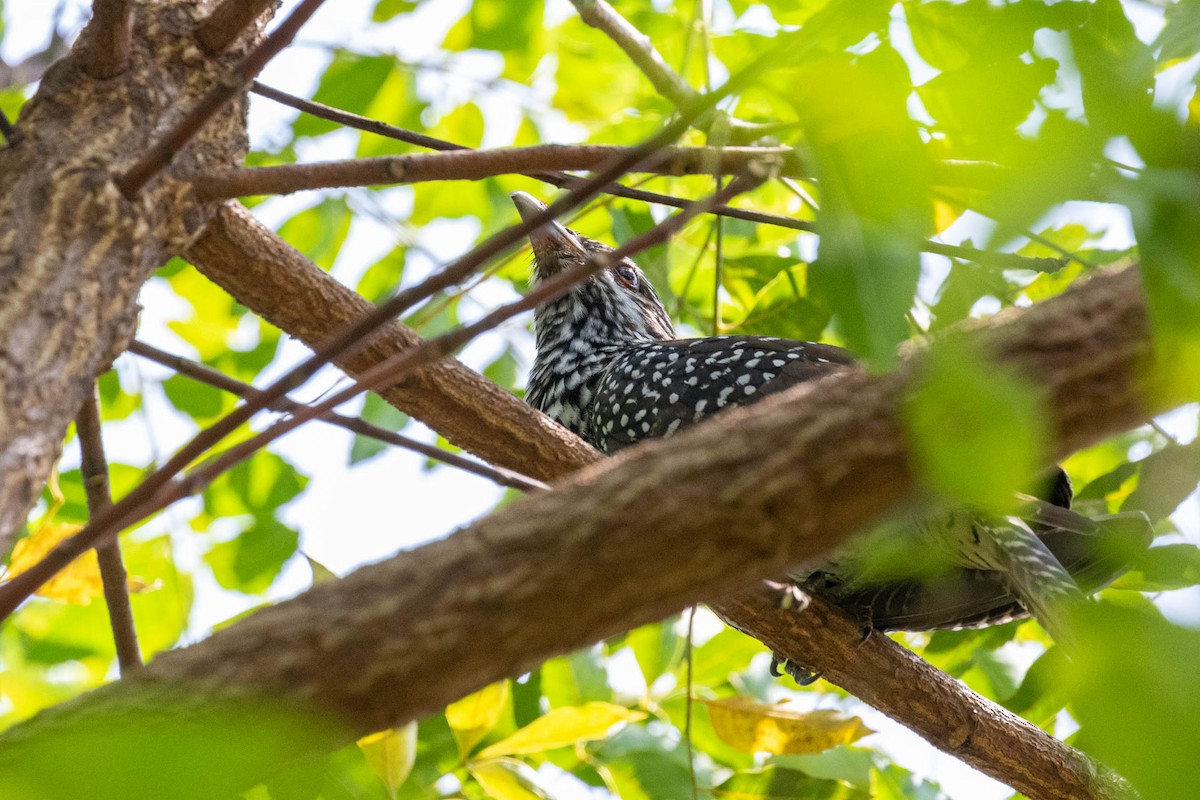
269,276
643,534
73,251
897,682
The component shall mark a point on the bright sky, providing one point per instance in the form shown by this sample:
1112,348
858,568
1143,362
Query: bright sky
351,516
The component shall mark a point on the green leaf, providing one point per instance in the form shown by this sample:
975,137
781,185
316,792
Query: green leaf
1162,568
388,9
257,486
319,232
1135,695
379,412
1165,479
391,754
564,726
250,562
778,783
868,264
507,779
350,83
978,430
472,717
198,400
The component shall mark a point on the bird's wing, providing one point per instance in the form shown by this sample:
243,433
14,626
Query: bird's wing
659,388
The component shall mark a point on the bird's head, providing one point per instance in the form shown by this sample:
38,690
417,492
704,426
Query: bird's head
618,302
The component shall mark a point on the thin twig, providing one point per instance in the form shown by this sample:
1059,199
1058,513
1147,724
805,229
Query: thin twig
154,492
212,377
641,51
94,468
689,700
159,154
227,22
107,39
469,165
564,180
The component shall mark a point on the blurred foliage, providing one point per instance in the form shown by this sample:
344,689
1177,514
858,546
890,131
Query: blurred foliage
1053,130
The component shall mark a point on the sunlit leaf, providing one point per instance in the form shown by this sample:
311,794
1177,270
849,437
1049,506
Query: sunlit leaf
564,726
473,716
755,727
978,431
507,779
778,783
391,754
78,582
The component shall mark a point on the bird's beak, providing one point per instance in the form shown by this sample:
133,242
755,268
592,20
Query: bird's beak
549,240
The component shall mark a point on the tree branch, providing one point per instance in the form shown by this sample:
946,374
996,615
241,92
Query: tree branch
212,377
647,532
957,721
470,165
565,180
107,39
159,154
227,21
94,468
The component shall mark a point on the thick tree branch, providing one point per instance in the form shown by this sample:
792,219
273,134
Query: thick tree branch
105,43
958,721
228,21
650,531
94,467
268,275
470,165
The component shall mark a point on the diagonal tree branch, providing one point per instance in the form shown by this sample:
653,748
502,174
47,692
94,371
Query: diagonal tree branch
882,674
649,531
212,377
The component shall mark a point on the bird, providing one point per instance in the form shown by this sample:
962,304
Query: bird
609,367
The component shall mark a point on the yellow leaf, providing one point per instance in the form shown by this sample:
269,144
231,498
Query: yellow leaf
753,727
391,754
507,779
564,726
473,716
944,214
77,583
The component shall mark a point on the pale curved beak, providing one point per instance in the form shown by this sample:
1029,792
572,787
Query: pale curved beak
528,205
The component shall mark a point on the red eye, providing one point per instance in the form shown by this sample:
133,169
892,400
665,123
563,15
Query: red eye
627,276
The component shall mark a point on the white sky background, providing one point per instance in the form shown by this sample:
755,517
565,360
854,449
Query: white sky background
348,517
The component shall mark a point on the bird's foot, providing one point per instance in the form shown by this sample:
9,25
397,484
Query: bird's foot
791,596
801,675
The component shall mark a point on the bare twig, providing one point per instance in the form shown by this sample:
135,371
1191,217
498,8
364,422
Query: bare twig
107,39
159,154
227,21
471,165
565,180
94,468
212,377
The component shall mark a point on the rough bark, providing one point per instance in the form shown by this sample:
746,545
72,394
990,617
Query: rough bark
641,535
73,251
266,274
883,674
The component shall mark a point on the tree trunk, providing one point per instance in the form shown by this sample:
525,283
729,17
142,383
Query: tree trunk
73,251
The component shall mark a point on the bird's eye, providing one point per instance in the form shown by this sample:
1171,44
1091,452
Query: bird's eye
627,276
